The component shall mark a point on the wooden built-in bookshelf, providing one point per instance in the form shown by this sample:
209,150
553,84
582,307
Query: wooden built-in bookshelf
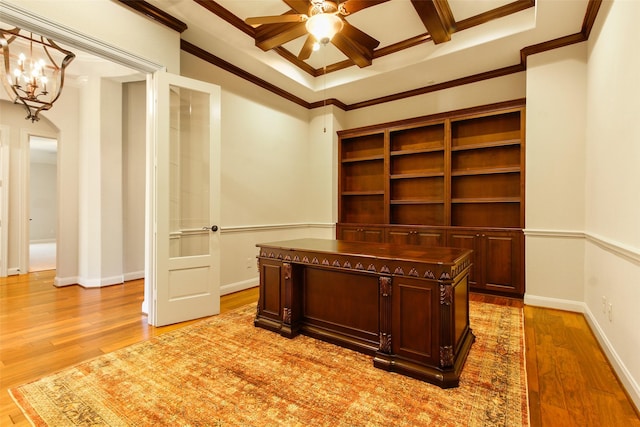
454,179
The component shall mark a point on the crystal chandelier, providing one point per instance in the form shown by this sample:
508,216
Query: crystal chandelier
32,70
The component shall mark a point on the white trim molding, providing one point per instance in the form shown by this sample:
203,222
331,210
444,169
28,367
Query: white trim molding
567,234
270,227
620,249
617,248
239,286
555,303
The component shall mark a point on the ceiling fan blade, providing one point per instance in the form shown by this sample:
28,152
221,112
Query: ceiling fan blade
277,19
359,37
359,54
307,48
353,6
300,6
270,36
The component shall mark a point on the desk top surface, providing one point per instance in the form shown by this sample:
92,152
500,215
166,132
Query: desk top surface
432,255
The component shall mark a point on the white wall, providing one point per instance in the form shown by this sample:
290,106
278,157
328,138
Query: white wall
555,173
612,255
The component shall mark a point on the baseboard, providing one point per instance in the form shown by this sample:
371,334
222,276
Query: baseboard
36,241
238,286
134,275
60,282
67,281
630,385
13,271
557,303
100,282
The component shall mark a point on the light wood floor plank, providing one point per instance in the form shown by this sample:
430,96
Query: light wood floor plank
44,329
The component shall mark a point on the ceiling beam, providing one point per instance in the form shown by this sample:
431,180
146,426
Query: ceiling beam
437,18
158,15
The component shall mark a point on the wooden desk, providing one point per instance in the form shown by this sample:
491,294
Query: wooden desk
407,306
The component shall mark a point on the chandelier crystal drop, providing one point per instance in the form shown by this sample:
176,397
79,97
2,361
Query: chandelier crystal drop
32,70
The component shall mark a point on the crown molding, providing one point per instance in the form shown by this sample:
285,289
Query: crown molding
158,15
590,16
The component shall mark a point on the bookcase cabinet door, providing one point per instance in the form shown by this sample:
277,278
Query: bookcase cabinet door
497,259
469,240
502,252
360,233
426,237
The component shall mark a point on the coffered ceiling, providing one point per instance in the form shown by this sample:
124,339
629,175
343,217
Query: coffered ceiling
421,45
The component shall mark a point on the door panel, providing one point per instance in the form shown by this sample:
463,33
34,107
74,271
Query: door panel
502,261
430,238
186,195
468,240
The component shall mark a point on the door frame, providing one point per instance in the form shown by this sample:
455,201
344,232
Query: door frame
25,195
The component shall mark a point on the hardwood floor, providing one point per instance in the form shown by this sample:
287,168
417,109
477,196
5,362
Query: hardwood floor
44,329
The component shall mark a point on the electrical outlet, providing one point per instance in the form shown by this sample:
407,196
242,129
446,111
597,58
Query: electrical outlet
604,304
249,262
610,312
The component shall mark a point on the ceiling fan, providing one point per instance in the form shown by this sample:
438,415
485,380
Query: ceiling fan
323,22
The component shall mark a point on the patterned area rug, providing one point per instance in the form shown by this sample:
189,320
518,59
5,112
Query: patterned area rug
226,372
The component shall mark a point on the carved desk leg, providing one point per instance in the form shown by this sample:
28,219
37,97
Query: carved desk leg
286,307
382,358
292,303
446,319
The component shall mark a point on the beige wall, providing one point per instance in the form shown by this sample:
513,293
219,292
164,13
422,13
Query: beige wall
500,89
555,173
133,178
612,214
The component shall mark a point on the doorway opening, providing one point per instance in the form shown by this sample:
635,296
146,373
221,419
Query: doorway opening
43,206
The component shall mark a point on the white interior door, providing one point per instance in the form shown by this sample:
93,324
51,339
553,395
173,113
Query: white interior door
187,170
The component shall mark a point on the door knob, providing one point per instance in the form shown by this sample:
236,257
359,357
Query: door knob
213,228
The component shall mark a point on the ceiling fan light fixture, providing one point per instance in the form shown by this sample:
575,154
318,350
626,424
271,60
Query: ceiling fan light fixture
324,26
